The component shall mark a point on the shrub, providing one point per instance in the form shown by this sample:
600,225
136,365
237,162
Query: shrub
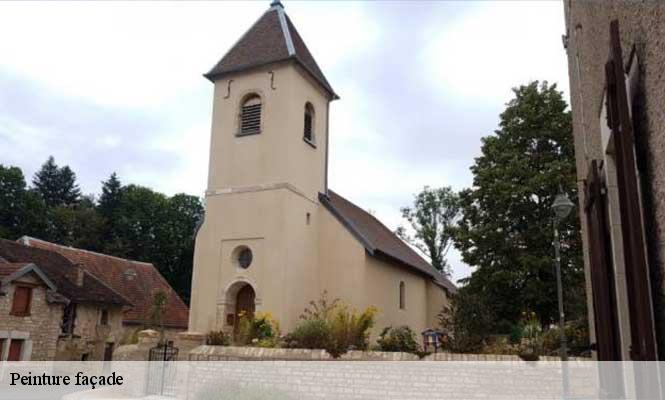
398,339
217,338
332,326
309,334
262,328
467,321
320,309
576,335
501,345
531,344
350,330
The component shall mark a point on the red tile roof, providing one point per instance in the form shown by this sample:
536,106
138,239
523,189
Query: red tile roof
138,286
7,268
271,39
378,240
62,272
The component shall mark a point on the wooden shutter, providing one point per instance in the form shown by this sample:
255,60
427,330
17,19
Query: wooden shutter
643,346
21,301
15,347
601,267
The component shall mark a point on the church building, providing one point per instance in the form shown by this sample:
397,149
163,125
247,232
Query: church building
275,237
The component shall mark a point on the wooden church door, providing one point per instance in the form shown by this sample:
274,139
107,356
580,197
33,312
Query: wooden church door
245,303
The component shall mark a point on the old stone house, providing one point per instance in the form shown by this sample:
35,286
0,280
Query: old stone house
52,309
81,304
136,281
275,236
31,311
616,55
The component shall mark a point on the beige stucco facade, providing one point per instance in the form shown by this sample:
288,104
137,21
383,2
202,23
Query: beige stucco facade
263,194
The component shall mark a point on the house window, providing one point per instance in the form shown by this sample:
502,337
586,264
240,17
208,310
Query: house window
250,115
15,347
68,319
308,134
21,301
402,295
104,319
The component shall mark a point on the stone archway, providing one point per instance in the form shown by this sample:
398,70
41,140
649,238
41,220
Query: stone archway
239,296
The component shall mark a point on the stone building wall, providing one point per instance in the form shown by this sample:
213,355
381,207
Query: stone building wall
39,330
642,26
130,333
90,338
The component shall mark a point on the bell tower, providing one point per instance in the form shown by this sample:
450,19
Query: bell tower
268,164
270,111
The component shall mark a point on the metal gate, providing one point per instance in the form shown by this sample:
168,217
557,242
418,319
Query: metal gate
162,370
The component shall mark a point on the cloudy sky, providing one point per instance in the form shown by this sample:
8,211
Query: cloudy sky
115,86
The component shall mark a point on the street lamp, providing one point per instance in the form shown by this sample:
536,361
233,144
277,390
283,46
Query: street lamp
562,207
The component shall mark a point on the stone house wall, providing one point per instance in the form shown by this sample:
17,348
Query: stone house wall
39,330
90,337
130,333
642,28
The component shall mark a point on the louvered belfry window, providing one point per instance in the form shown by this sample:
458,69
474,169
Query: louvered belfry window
309,123
250,116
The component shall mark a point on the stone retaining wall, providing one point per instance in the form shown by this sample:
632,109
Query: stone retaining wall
190,348
233,353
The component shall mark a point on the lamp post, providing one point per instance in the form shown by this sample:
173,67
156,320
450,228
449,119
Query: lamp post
562,207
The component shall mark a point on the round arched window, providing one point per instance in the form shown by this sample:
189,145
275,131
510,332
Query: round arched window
245,258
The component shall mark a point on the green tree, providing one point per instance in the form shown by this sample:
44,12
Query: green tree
506,225
183,214
109,208
78,225
154,228
21,210
109,201
465,320
57,186
12,196
432,218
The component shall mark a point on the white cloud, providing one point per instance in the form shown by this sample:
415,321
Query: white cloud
495,46
142,61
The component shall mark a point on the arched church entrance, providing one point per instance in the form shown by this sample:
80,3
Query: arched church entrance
245,302
240,298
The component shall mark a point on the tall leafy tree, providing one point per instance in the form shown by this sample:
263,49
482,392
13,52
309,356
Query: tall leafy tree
506,228
432,217
154,228
184,214
57,186
79,225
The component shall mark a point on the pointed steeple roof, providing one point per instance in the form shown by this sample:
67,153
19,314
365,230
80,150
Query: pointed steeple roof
271,39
